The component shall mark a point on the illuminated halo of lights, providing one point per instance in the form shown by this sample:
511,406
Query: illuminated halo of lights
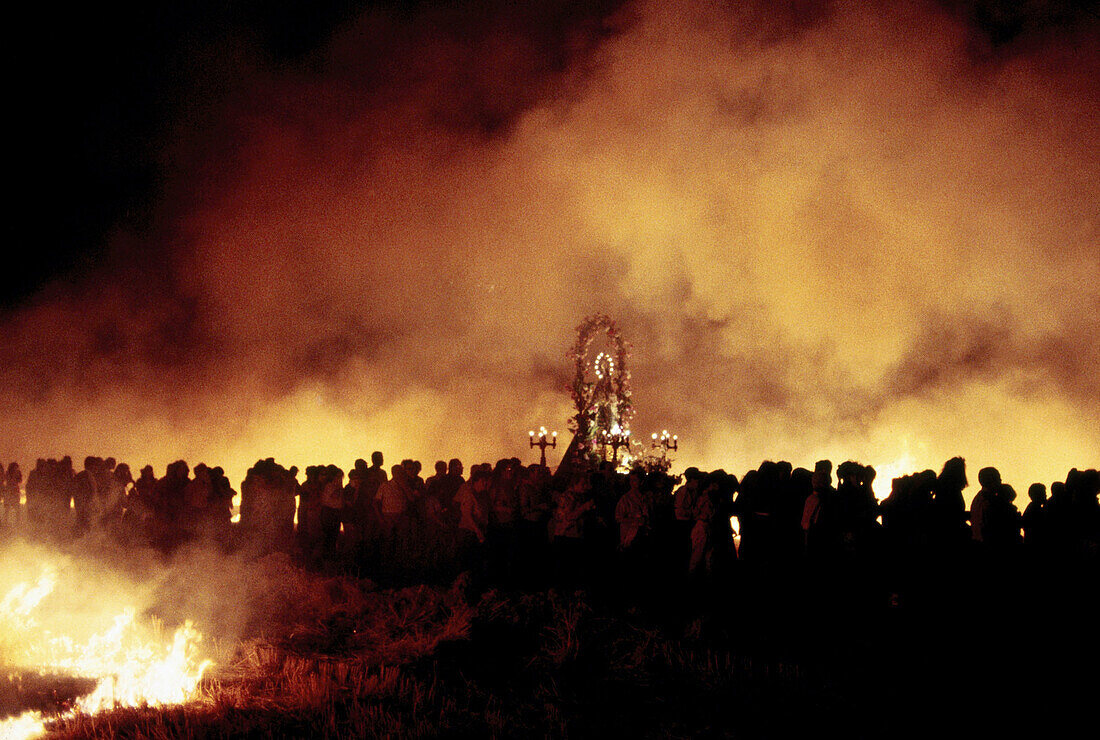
619,375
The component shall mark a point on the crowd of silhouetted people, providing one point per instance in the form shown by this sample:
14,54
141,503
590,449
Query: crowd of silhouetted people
514,524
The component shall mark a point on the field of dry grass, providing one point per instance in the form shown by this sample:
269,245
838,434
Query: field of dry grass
339,657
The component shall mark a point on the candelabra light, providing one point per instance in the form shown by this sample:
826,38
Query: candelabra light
669,442
615,439
543,440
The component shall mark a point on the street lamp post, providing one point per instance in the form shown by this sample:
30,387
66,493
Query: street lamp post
543,442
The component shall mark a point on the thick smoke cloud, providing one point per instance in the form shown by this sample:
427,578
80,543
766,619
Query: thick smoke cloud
834,231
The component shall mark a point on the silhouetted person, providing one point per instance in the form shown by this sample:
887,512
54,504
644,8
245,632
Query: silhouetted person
472,500
141,506
116,493
352,522
35,492
12,488
197,499
1034,518
435,521
1002,521
789,521
990,481
310,531
453,482
757,507
170,499
683,502
367,512
535,507
704,533
723,551
634,516
1059,515
61,488
503,513
85,491
856,507
219,514
567,529
331,510
948,506
818,528
395,502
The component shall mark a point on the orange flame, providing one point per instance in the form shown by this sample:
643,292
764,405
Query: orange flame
130,660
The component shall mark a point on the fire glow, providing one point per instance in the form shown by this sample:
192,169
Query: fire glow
133,663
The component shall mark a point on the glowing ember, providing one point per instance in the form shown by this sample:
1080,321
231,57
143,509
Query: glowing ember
131,661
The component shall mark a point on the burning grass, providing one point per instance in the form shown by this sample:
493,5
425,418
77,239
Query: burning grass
350,661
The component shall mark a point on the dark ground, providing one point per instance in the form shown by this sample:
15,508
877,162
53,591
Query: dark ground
989,650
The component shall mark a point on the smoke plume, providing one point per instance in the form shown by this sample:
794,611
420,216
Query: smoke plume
836,230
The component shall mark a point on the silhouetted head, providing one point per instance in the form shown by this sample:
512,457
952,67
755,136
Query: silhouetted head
989,478
1037,493
847,472
954,473
454,466
1091,483
376,459
440,468
823,475
122,473
869,473
481,477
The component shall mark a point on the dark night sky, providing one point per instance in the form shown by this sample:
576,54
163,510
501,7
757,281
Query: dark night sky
101,88
98,88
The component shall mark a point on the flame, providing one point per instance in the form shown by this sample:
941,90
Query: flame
885,474
28,724
132,662
21,600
